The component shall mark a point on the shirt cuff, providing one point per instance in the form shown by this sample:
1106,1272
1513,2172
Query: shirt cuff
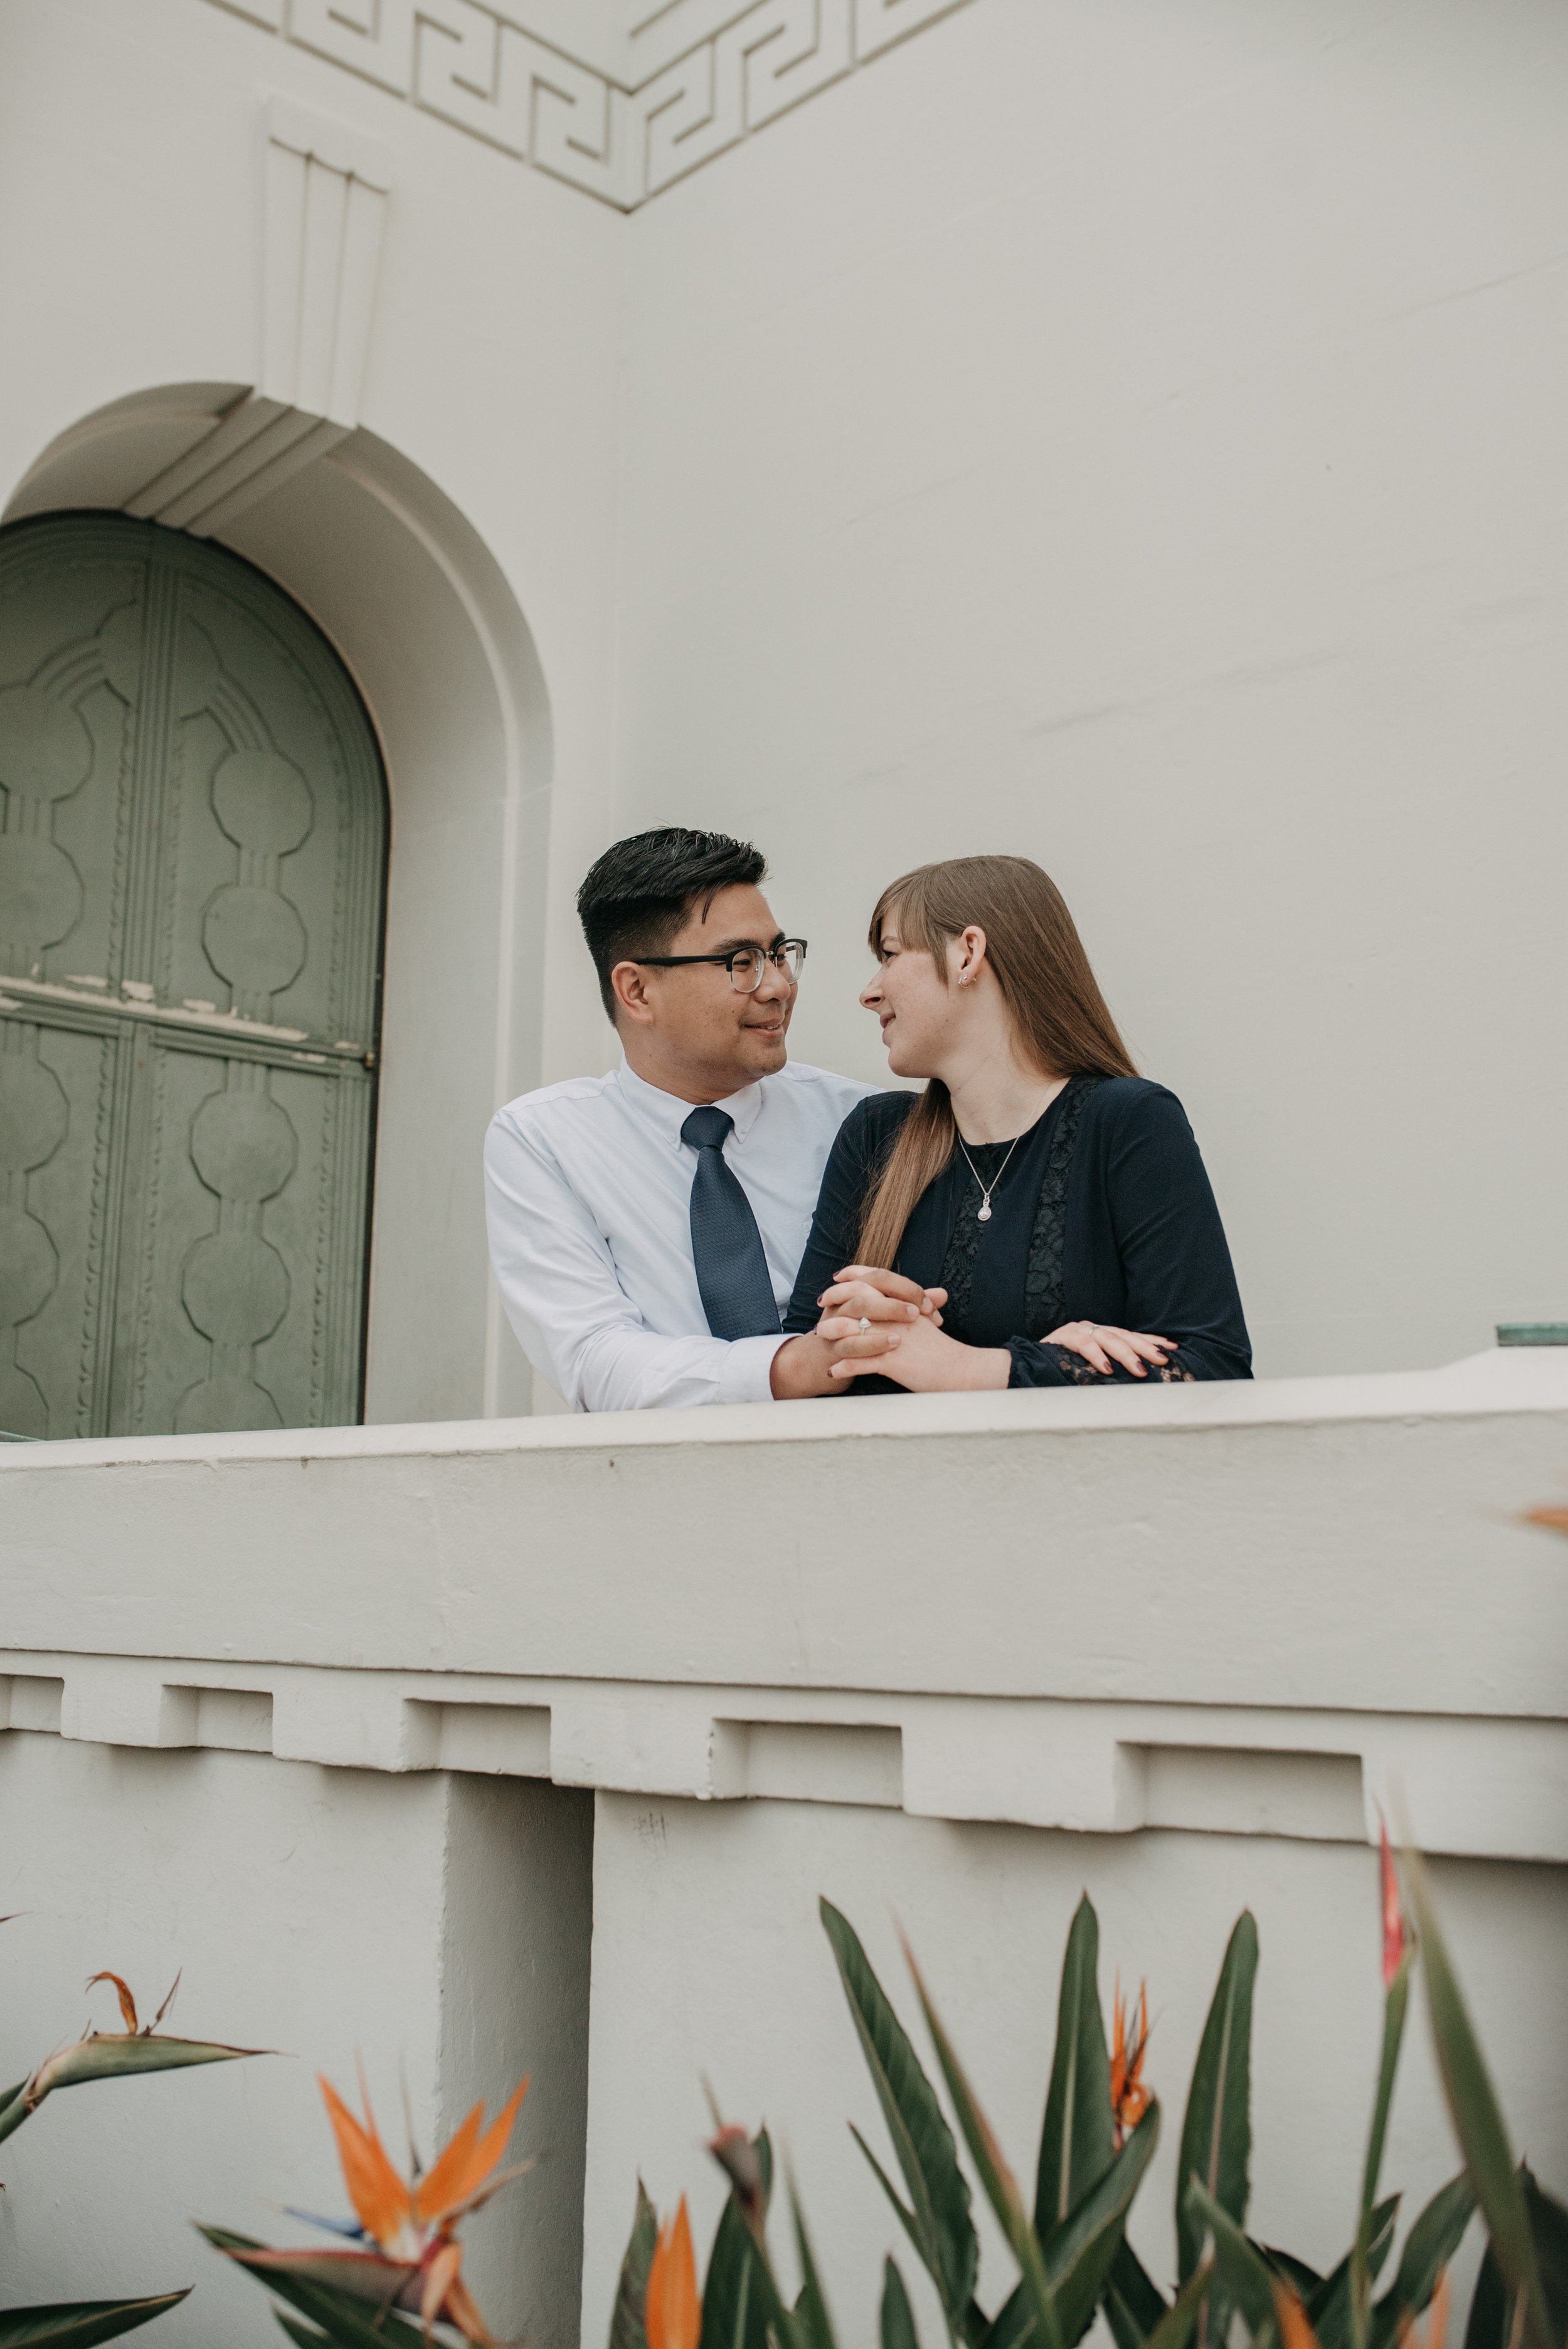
747,1375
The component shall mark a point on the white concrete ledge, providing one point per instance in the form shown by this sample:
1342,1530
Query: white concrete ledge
1324,1545
1234,1609
1478,1788
1505,1379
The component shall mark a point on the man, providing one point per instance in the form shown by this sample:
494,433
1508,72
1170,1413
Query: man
645,1227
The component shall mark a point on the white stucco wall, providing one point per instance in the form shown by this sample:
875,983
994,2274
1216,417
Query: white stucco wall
315,1914
1122,435
707,1938
1129,435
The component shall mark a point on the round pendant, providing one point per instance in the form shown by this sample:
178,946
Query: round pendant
984,1215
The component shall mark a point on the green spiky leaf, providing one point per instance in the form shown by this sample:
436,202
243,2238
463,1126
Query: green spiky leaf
1080,2256
1078,2141
342,2317
110,2055
1001,2187
1175,2328
1217,2130
1360,2279
77,2326
1217,2133
1134,2303
1080,2252
1302,2279
1429,2246
1248,2281
1327,2303
1490,2325
1549,2225
938,2222
813,2325
627,2318
733,2312
305,2336
896,2315
1477,2119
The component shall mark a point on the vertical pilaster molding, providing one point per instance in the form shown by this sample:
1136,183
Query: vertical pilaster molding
324,202
327,189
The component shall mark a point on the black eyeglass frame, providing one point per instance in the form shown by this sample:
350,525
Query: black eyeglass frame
777,955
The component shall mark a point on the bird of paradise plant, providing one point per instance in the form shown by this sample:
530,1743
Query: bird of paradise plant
740,2305
1101,2123
1129,2097
99,2055
411,2257
1099,2129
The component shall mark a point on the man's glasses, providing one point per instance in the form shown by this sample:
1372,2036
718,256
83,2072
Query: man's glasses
745,965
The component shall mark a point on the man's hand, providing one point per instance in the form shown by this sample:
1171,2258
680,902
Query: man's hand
803,1366
886,1300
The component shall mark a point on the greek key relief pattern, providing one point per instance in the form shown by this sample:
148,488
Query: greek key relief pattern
621,99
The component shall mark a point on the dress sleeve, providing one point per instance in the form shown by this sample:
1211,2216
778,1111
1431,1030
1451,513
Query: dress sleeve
835,1226
1175,1263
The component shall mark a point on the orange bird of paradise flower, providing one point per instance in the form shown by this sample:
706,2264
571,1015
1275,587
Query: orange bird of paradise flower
673,2309
1129,2097
416,2260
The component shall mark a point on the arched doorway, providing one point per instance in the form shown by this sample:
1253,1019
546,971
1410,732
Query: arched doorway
191,872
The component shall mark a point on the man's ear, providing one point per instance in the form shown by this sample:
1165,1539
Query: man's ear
629,986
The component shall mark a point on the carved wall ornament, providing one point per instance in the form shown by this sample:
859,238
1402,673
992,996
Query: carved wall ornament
620,97
325,199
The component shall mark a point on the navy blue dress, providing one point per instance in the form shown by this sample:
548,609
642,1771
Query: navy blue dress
1102,1213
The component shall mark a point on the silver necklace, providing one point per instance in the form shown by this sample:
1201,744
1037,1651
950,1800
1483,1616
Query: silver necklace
986,1188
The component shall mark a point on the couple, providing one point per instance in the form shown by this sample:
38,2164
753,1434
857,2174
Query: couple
715,1223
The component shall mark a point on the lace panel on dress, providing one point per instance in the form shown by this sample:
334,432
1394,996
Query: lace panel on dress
1043,1280
1047,1240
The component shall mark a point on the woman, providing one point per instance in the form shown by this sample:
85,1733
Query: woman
1052,1199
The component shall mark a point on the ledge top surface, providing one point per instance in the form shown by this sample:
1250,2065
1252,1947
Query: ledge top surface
1500,1382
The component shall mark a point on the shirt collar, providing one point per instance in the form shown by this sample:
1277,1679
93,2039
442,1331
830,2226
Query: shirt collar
667,1112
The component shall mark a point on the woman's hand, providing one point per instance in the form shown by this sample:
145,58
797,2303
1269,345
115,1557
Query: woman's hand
920,1357
865,1315
883,1302
1102,1345
881,1296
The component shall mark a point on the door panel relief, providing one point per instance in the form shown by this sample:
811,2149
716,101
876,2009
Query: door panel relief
191,871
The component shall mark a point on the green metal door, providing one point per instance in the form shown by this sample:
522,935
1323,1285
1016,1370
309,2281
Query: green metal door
190,889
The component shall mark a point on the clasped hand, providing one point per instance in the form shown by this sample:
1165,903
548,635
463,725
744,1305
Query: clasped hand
905,1340
864,1294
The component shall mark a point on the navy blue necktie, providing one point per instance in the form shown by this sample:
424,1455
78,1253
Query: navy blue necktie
725,1245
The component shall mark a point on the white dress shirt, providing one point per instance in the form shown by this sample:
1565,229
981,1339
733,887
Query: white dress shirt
588,1196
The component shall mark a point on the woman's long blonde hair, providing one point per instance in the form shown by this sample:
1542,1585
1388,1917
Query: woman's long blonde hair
1060,1018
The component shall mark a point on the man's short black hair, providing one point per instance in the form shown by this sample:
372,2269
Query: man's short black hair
637,895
